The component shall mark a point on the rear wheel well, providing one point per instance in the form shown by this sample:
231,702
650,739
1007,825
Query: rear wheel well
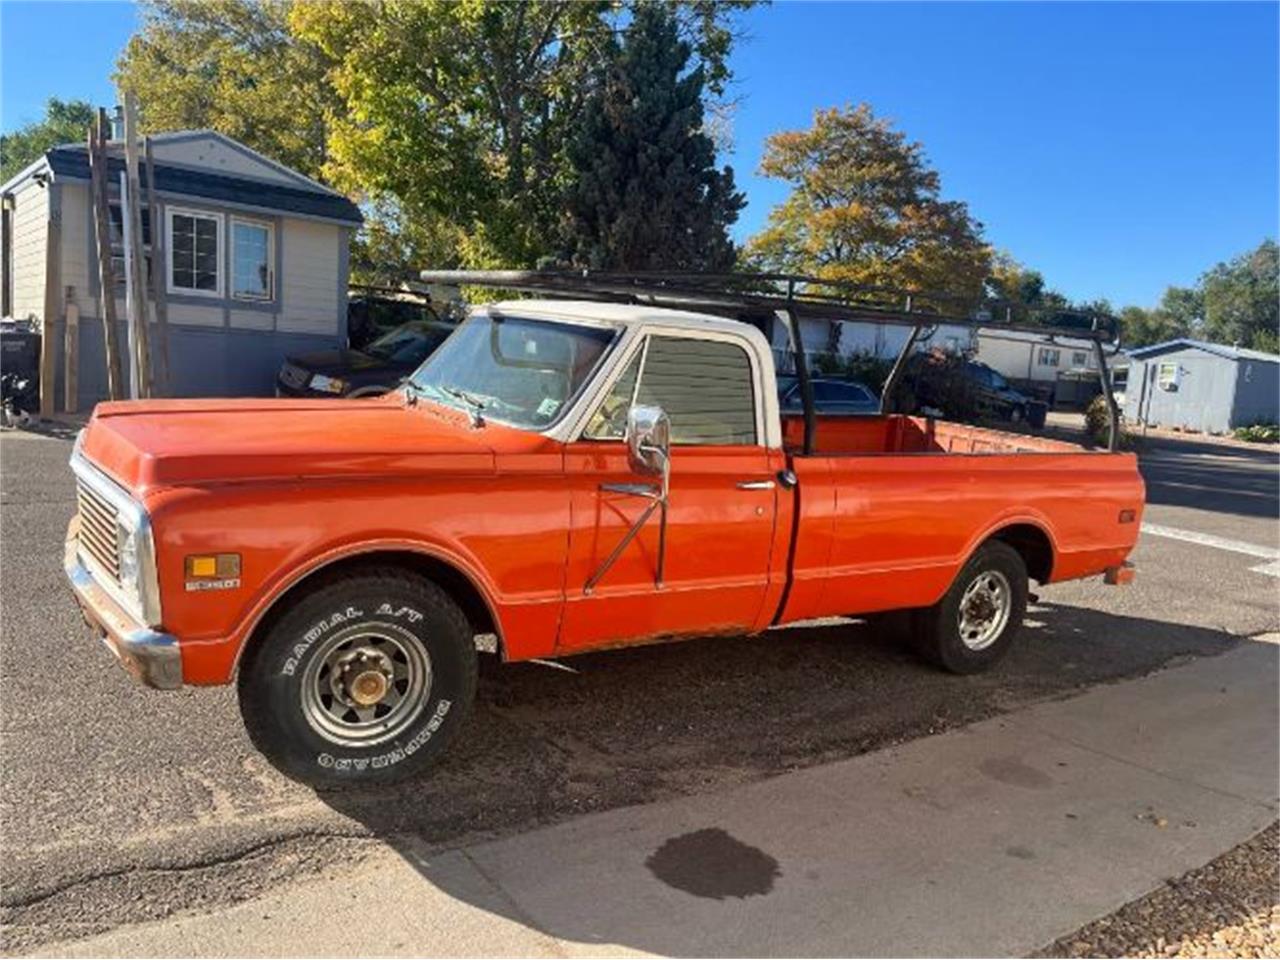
1033,545
452,581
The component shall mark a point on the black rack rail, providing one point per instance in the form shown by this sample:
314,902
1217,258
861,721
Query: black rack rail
744,296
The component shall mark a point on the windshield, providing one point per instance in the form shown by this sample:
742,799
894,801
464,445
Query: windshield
408,343
524,373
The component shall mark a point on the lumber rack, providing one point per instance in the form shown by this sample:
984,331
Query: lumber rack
748,296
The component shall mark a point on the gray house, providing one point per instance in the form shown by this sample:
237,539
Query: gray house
1202,386
255,260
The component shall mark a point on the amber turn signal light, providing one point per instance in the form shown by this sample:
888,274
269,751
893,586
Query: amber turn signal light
213,566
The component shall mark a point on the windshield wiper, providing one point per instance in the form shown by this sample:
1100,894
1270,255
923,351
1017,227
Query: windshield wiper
411,392
474,404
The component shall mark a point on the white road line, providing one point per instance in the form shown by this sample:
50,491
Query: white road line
1271,569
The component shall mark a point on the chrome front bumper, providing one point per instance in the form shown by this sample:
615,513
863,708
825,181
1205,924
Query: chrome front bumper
151,657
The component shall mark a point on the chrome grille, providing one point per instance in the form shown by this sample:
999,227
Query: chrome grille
99,537
293,376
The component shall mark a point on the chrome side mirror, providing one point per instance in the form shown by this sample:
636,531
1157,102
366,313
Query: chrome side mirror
648,440
648,454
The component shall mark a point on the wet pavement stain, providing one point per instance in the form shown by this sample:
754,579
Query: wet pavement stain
711,863
1014,772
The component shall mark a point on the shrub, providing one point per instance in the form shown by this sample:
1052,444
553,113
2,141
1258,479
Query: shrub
1097,424
1259,433
866,368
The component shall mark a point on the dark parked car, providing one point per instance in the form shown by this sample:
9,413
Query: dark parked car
371,313
961,389
829,396
376,369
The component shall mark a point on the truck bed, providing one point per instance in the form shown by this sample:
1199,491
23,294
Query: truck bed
880,525
895,433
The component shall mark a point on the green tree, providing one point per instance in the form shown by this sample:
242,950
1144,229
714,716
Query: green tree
645,193
461,111
1015,290
233,66
865,207
65,121
1242,299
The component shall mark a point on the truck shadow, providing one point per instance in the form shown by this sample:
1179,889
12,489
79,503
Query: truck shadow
642,725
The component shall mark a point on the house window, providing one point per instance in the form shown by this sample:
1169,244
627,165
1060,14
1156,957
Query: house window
194,245
1167,375
252,244
1079,358
116,229
1048,357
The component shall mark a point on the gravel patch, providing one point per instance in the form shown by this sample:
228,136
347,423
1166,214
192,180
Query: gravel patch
1228,908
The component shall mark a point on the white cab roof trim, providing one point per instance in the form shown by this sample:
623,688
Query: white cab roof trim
637,321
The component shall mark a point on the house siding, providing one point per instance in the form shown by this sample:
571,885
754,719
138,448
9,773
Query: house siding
206,152
311,253
30,239
77,247
1257,397
1203,400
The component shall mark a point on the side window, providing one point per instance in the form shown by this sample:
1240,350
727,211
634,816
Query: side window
705,388
194,254
609,422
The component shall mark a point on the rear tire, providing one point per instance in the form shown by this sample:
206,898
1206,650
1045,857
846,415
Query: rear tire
974,625
364,679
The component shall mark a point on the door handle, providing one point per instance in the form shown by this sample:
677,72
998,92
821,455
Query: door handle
755,485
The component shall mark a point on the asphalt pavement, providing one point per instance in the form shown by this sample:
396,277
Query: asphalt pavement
991,840
120,805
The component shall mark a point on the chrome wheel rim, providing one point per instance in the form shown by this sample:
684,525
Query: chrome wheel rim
985,607
366,684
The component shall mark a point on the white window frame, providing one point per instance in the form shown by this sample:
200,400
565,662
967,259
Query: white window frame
1168,373
1043,359
217,218
271,259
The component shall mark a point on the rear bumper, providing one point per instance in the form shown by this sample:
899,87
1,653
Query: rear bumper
1121,575
150,656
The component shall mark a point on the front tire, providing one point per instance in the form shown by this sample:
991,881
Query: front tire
974,625
364,679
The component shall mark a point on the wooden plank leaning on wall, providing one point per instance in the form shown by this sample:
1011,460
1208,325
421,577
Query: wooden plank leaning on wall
134,258
106,276
52,301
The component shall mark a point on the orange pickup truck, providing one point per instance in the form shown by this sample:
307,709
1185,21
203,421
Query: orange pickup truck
560,476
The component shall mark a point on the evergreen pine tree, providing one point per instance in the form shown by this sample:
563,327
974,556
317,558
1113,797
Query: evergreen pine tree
645,192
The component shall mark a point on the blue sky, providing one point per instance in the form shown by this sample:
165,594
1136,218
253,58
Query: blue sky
1118,148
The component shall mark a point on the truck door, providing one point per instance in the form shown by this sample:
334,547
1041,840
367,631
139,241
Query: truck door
720,511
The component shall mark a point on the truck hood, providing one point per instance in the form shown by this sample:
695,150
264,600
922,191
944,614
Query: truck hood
149,444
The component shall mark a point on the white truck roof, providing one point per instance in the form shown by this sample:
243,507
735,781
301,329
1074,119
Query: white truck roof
636,320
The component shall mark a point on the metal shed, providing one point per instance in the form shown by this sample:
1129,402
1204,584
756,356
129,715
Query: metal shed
255,262
1201,386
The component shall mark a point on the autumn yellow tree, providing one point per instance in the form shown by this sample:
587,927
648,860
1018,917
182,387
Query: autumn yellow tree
865,207
231,66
